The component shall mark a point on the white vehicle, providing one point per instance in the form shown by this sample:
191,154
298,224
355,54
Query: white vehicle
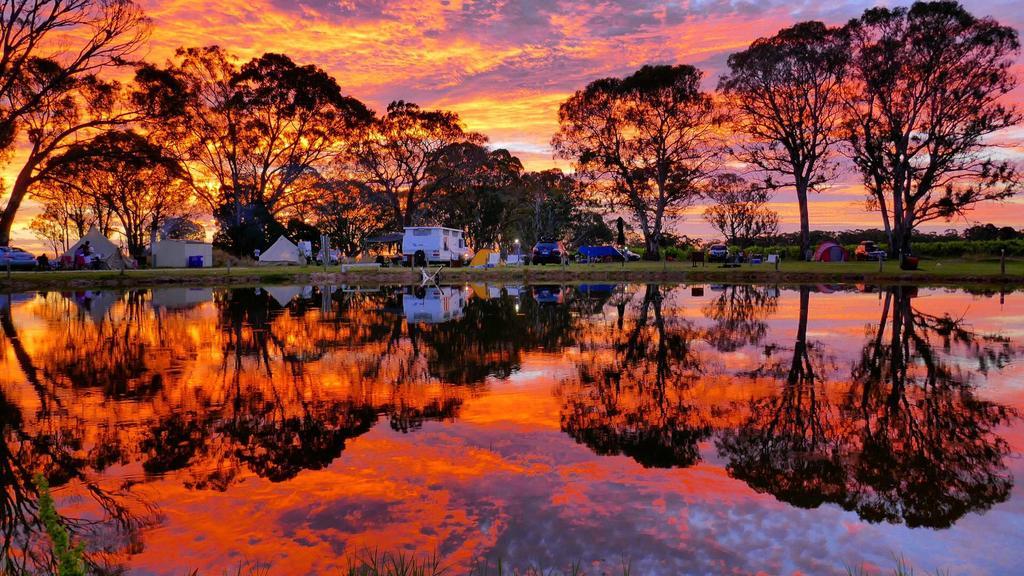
434,245
433,305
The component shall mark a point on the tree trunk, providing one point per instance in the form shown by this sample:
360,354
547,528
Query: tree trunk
18,192
903,237
652,249
805,221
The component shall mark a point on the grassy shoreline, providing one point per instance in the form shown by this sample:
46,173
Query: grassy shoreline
935,272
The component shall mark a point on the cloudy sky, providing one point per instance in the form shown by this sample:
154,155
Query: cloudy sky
505,65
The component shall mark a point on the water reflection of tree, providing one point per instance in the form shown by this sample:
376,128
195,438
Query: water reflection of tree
739,315
786,446
929,451
908,442
631,393
48,439
491,337
262,410
56,452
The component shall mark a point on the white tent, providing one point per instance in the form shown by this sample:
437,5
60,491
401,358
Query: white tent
282,252
102,247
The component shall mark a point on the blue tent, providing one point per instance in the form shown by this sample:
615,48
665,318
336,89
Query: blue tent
599,253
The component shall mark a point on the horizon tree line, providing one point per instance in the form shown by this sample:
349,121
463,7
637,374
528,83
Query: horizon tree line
907,97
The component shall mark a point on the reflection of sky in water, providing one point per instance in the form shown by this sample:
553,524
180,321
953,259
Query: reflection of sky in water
494,474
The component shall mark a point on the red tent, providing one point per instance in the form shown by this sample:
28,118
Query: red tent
829,251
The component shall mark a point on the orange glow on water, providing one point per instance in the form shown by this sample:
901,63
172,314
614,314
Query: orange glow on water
234,428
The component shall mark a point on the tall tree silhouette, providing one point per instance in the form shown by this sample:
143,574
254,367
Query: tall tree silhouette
786,96
926,95
400,157
646,143
51,55
255,137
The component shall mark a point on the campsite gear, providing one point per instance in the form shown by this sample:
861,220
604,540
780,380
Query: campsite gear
909,263
108,254
195,261
829,251
427,278
600,254
282,251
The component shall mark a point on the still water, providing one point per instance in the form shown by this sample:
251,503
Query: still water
688,429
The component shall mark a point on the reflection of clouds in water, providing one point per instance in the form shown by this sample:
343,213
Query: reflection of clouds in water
497,476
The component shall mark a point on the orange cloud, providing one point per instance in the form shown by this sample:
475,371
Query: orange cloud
506,65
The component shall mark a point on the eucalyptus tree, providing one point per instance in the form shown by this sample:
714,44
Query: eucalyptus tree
52,56
131,178
785,92
645,144
739,210
399,158
927,87
254,137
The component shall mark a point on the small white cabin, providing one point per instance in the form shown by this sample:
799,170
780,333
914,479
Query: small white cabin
434,245
178,253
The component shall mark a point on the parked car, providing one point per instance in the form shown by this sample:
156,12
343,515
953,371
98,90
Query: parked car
630,255
548,253
868,250
718,253
17,258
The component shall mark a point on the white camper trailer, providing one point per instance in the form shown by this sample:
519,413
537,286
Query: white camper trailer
434,245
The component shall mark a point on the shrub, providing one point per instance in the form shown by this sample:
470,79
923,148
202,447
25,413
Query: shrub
70,559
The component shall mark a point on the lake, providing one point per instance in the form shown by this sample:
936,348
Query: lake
695,429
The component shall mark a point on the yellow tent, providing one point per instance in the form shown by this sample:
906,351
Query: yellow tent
480,260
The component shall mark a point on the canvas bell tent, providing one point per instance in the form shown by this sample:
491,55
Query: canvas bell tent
101,247
282,252
829,251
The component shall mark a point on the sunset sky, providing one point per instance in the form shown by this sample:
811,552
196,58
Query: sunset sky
505,66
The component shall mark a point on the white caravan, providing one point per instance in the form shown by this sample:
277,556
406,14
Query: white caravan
433,245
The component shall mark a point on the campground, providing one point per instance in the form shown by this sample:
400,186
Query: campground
985,273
